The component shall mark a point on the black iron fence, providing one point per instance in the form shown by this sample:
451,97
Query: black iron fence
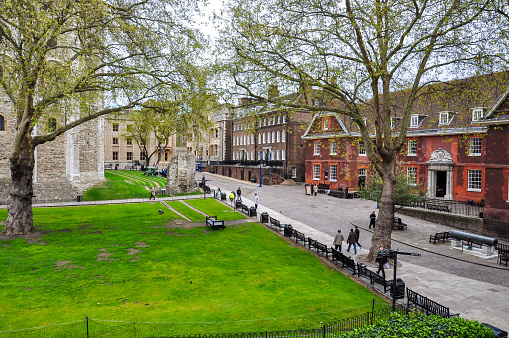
265,163
469,208
92,328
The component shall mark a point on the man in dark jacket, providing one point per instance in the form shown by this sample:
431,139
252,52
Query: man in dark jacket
381,259
357,233
372,220
352,239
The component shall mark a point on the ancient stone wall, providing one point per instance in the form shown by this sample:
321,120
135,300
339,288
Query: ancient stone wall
63,167
181,174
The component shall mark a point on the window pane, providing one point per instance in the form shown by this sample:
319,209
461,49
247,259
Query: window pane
474,179
316,171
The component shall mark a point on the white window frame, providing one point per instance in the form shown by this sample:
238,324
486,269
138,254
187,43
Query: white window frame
278,136
316,148
444,118
283,155
477,114
278,119
316,172
333,148
362,149
474,180
264,138
294,172
412,148
411,175
277,154
475,146
333,173
414,121
325,124
283,136
284,118
273,137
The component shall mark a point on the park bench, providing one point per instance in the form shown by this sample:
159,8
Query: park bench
337,193
427,305
438,207
398,224
214,222
299,237
439,236
372,276
312,243
503,253
345,261
323,188
323,249
276,224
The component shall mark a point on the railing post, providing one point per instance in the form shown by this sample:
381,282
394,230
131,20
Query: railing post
87,327
372,312
323,330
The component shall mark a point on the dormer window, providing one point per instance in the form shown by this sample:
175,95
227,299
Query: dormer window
477,114
414,121
316,102
394,120
445,118
325,124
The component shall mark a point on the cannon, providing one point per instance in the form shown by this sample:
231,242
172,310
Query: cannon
487,244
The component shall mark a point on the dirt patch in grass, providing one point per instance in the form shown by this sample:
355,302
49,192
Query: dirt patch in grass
183,224
65,265
33,238
133,251
104,256
141,244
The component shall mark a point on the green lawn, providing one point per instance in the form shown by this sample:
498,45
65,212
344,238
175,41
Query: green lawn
193,215
124,184
213,207
125,263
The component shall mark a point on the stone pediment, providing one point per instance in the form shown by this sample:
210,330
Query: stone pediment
440,157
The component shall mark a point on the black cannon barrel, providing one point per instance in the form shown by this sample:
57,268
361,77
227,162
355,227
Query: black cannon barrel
477,239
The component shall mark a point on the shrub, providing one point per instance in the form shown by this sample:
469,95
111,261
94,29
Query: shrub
420,325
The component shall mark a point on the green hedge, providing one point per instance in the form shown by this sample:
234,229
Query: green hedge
419,325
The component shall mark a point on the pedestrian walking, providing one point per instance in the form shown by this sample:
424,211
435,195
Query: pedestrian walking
382,260
352,239
357,233
346,192
312,189
152,194
239,192
257,200
315,190
372,220
232,197
338,240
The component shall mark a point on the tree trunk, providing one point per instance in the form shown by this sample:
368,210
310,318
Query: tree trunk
383,230
20,217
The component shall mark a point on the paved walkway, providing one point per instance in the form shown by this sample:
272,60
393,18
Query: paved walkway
476,288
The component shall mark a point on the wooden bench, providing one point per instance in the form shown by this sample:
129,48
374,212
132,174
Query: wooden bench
323,249
323,188
299,237
398,224
214,222
503,253
427,305
345,261
438,207
439,236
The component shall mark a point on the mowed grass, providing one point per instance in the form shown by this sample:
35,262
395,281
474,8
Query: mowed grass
213,207
185,210
125,184
125,263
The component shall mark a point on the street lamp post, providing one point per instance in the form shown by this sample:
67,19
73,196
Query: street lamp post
260,168
394,255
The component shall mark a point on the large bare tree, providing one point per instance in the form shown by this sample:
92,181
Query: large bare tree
81,60
357,53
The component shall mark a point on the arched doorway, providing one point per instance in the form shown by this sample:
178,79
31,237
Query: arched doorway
440,174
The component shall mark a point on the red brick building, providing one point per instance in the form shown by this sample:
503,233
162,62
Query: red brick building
271,133
457,146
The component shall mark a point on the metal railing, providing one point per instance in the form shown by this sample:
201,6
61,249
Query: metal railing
470,208
91,328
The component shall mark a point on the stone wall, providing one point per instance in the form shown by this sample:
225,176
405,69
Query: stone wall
471,224
181,174
64,167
